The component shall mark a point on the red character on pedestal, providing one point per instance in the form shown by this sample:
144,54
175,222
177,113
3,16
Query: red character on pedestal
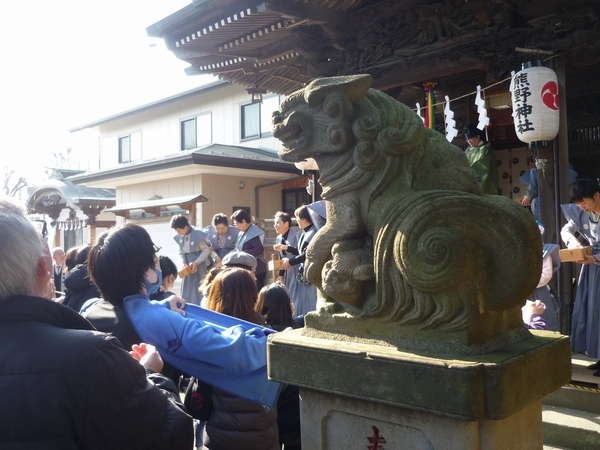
376,440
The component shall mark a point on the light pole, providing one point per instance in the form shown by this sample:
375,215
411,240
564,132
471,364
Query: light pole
309,167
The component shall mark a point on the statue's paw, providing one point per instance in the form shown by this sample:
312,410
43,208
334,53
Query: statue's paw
331,307
326,269
342,288
312,274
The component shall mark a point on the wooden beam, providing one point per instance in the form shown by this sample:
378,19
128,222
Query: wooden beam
211,52
277,62
313,13
104,223
298,82
264,53
282,47
188,206
211,20
404,71
153,210
123,213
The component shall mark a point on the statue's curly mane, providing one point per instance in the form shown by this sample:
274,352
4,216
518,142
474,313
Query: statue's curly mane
291,101
386,145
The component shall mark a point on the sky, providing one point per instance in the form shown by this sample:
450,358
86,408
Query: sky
69,62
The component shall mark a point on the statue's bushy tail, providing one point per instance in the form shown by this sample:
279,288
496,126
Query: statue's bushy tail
438,265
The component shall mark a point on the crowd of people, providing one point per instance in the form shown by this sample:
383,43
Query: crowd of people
121,287
130,348
64,384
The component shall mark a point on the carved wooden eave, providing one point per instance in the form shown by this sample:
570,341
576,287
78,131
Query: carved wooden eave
240,40
281,45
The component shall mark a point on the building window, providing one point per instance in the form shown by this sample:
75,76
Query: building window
256,117
294,198
130,147
196,132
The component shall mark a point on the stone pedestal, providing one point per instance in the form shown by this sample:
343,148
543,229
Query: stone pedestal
355,395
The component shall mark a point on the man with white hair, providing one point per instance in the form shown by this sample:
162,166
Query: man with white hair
63,384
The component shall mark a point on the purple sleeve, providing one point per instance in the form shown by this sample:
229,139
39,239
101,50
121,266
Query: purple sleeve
254,246
536,322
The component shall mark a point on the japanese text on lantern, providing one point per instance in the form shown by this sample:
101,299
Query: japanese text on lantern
522,109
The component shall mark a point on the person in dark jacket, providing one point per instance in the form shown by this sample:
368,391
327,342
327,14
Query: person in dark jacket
297,256
108,314
59,270
77,283
64,385
275,305
236,423
251,240
71,258
222,350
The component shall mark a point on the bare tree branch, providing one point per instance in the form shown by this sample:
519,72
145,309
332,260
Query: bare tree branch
7,189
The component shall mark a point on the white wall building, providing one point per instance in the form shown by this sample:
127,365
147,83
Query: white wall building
201,152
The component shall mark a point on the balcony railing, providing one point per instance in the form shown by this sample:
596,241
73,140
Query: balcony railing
88,165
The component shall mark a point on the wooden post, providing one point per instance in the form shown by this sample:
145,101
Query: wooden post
546,193
193,215
565,273
92,233
56,238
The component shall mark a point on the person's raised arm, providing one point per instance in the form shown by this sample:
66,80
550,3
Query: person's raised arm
567,234
128,411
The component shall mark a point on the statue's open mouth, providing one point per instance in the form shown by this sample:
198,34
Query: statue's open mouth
291,136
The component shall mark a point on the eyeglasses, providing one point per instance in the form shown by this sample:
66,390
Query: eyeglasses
156,248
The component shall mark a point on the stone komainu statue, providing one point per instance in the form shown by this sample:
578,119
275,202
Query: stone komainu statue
409,237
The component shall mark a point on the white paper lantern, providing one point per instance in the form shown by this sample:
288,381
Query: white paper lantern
307,164
535,104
